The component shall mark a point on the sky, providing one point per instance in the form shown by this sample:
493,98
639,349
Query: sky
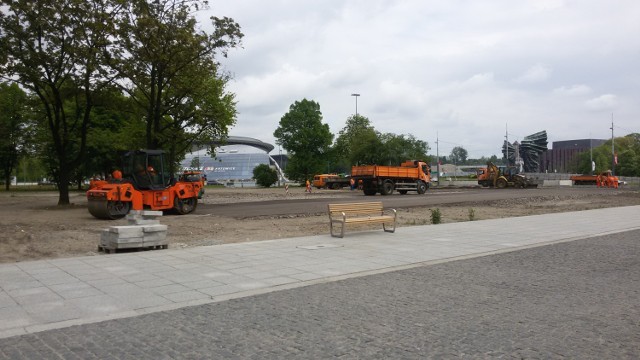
460,72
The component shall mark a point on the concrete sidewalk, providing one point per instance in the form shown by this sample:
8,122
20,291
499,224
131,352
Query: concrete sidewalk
41,295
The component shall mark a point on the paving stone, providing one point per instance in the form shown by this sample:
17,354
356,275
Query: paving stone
155,238
127,231
154,228
574,300
143,222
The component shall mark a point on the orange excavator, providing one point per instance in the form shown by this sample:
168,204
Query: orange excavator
502,177
145,182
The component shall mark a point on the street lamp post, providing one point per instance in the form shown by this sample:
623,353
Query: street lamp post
591,156
356,96
613,150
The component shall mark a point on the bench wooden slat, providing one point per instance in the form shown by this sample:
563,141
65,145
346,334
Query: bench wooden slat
360,213
370,219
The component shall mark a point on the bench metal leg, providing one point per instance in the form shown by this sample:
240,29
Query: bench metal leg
395,217
336,235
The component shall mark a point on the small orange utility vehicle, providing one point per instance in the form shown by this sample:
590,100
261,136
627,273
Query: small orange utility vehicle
145,183
194,176
604,179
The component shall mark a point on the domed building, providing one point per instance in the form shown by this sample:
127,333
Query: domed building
234,161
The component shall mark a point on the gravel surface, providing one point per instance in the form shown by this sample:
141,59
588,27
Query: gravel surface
33,227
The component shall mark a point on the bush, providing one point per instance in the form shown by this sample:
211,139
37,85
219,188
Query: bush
435,216
472,214
264,175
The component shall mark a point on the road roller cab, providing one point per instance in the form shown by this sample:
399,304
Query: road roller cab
146,183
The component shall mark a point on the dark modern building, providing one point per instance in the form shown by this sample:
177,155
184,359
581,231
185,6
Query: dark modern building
563,156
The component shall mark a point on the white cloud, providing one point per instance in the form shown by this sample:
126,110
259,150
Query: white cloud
535,74
602,102
457,68
574,90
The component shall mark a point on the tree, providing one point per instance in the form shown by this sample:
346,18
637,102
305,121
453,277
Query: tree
628,149
264,175
54,49
367,148
398,148
13,127
306,139
195,163
114,128
458,155
359,143
168,68
347,151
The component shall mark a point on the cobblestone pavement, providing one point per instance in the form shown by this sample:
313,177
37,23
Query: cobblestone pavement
576,299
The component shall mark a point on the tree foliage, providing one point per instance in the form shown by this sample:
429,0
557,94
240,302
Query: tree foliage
458,155
14,124
71,53
168,68
306,139
359,143
398,148
628,155
54,49
264,175
628,150
352,142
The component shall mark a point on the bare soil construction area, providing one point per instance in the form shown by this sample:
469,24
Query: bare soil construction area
33,227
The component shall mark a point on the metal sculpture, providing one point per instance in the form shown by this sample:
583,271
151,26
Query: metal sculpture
527,153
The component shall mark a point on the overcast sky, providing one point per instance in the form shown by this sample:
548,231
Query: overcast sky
461,69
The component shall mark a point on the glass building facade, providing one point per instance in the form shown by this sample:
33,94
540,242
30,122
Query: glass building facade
232,165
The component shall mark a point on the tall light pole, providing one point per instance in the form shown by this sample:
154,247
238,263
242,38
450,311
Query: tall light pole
506,140
438,157
591,156
356,96
613,151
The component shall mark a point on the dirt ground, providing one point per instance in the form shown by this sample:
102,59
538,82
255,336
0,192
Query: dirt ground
33,227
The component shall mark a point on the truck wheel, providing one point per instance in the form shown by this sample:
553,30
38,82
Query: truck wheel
422,187
387,187
501,183
335,186
369,192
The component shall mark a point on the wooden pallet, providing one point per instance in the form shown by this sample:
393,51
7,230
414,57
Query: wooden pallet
107,250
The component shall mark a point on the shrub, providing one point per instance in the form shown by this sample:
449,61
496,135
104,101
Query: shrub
472,214
435,216
264,175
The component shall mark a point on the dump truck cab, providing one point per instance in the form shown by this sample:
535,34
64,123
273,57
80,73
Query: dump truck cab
424,173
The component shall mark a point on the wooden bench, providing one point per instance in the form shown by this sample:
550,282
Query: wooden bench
360,213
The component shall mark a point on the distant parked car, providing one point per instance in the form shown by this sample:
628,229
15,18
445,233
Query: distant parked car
214,182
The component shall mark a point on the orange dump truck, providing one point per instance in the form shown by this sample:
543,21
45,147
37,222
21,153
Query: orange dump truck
604,179
584,179
411,175
330,181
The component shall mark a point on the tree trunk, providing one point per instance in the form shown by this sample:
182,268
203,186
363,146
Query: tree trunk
62,178
63,186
